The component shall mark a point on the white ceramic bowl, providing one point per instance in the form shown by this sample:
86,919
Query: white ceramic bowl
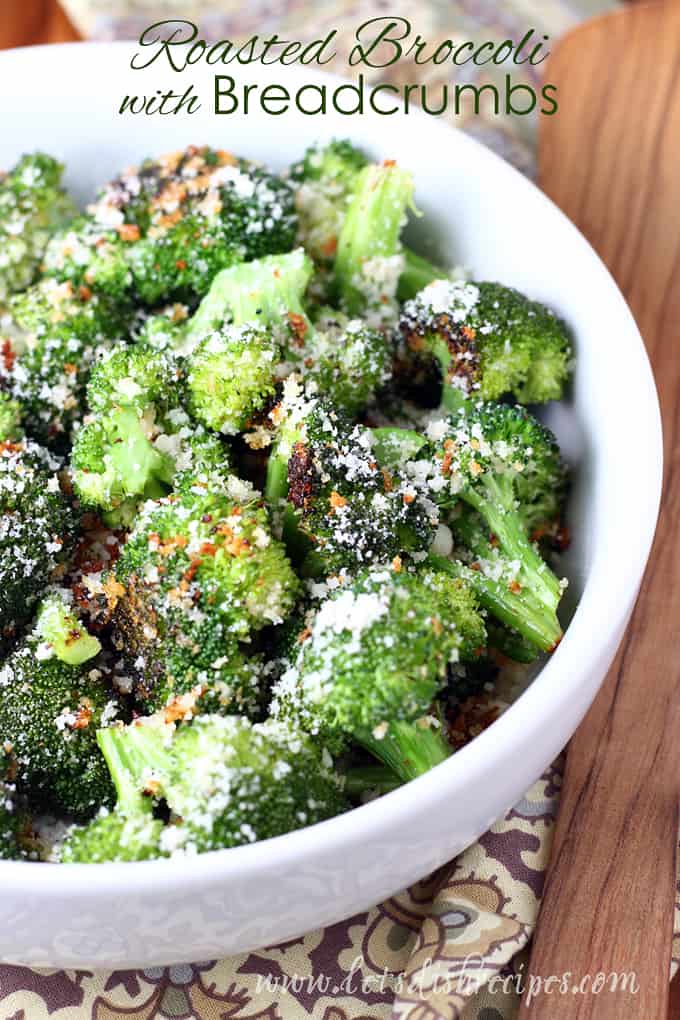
478,211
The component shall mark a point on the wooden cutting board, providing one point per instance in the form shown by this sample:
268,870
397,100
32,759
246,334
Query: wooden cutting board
611,160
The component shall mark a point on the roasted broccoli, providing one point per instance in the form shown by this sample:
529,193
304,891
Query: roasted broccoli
348,360
198,575
233,782
375,660
38,527
136,377
49,713
348,511
253,512
326,178
487,340
129,832
166,227
236,338
226,781
231,376
505,465
55,336
370,259
139,443
344,357
33,205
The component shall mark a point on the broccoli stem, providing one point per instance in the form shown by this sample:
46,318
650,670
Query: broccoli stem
418,272
520,611
143,470
510,644
369,778
408,749
453,399
276,498
371,229
276,481
131,754
496,506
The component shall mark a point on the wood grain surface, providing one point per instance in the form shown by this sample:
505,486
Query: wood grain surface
29,22
611,160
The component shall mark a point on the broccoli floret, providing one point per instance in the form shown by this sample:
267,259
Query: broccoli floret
351,511
56,336
502,462
268,291
33,205
230,377
134,377
138,443
229,782
126,457
234,782
38,527
374,662
165,228
226,781
162,230
325,178
344,358
370,259
199,574
488,340
114,461
498,476
91,254
492,457
129,832
49,714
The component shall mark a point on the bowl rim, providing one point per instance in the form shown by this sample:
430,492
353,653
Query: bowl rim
513,727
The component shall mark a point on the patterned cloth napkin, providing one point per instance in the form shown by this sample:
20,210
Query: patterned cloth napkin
454,945
427,953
